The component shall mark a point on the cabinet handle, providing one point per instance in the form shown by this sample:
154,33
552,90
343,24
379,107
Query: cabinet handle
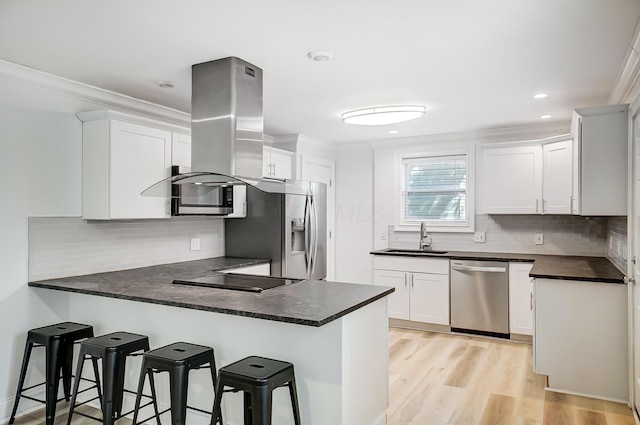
274,169
411,277
536,205
544,205
530,301
406,276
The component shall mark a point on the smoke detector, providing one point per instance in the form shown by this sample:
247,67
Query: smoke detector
320,55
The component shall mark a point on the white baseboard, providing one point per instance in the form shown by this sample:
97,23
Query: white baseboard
599,397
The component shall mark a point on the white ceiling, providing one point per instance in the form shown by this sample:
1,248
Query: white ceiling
476,64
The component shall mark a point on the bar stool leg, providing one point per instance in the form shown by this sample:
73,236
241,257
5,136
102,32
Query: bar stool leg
261,401
248,408
23,374
76,383
52,373
109,383
66,354
178,387
293,392
217,413
214,379
143,374
96,376
153,396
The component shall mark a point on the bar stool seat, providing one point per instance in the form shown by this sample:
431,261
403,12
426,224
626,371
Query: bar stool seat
58,341
257,377
178,359
113,349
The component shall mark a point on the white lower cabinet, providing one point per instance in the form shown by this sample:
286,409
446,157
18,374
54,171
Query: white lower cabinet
580,337
421,288
520,299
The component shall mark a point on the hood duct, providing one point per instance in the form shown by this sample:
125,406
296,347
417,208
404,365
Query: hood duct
226,118
226,131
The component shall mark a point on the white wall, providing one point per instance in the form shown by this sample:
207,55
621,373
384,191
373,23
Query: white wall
354,213
40,175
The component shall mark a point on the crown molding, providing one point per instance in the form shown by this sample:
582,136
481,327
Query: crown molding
102,98
627,86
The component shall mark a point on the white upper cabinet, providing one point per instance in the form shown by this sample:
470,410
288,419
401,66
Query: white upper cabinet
277,163
119,160
181,150
511,180
530,179
601,140
557,177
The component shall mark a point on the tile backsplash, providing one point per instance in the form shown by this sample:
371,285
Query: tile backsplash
563,235
616,246
69,246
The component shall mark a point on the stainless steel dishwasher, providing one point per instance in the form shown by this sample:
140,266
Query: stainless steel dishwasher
480,297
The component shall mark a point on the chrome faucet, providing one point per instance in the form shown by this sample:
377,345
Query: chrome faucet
425,240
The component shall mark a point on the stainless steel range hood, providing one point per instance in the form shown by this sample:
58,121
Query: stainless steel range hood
226,130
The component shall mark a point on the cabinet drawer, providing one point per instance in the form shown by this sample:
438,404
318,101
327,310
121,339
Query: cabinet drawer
422,265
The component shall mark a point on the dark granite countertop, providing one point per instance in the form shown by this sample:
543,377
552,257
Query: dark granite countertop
594,269
309,302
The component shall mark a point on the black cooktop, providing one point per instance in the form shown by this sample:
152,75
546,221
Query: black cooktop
237,281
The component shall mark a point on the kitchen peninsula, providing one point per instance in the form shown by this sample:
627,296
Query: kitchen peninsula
334,333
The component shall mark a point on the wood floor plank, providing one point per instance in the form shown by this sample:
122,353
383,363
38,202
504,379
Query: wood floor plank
465,367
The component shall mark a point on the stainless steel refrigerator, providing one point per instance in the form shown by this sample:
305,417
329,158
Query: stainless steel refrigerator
291,230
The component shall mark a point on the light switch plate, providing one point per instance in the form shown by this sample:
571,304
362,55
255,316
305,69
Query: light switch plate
479,237
539,239
195,244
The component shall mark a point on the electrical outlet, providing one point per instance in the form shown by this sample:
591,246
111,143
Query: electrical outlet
479,237
539,238
195,244
383,235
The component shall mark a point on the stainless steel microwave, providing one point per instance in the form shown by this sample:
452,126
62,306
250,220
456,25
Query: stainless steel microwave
227,201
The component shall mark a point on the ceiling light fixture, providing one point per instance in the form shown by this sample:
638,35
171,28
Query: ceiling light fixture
383,115
320,55
545,117
165,84
540,96
393,131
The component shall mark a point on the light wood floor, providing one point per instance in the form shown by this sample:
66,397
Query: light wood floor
441,379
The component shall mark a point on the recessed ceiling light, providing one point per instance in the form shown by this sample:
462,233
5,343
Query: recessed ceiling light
383,115
545,117
165,84
393,131
320,55
540,96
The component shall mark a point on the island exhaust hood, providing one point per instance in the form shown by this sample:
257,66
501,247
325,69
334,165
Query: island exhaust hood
226,131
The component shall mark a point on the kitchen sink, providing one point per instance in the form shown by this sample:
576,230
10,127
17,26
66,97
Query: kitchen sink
415,252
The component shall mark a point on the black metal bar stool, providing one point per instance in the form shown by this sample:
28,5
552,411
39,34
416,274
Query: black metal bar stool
178,359
58,341
257,377
113,349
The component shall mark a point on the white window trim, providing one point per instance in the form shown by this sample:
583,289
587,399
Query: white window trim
435,227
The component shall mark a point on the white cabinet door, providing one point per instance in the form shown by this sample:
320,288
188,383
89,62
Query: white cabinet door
277,163
429,298
139,157
557,177
181,150
520,299
581,339
601,137
511,180
119,161
398,301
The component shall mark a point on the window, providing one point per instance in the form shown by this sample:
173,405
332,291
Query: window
436,190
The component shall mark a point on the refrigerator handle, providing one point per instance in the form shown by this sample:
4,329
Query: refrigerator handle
314,210
307,235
